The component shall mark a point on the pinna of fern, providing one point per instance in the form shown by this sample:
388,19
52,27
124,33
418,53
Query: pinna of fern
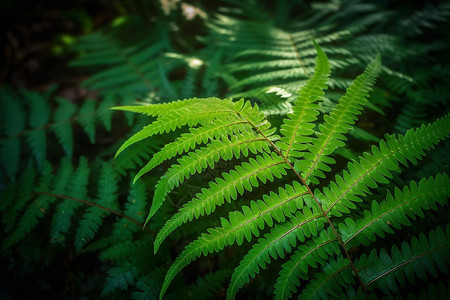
317,223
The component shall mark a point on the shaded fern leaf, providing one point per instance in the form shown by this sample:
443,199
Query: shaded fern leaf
421,257
35,210
333,279
62,219
310,254
127,69
93,217
134,208
119,278
396,211
13,122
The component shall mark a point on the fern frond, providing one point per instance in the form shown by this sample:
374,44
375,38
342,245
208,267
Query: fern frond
281,238
61,222
397,210
19,197
298,126
335,276
119,277
62,128
39,116
375,168
310,254
127,71
191,113
93,217
196,162
232,184
13,122
336,124
422,256
35,210
189,141
134,208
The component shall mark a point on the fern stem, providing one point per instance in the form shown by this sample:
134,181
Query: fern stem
324,213
297,53
96,205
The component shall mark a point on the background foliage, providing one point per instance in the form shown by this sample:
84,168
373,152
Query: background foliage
72,219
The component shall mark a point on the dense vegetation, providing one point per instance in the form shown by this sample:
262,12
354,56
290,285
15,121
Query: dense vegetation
306,143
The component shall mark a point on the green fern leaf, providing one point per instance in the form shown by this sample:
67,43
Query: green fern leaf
335,275
86,118
93,217
298,126
243,177
375,168
64,211
62,126
314,252
13,122
191,113
189,141
134,208
120,277
420,257
336,124
196,162
281,238
21,196
35,210
396,210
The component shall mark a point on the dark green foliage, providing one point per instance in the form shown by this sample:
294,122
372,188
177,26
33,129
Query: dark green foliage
278,175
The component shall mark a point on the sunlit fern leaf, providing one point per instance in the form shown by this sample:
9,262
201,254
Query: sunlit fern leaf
298,125
196,136
190,113
421,257
331,281
336,124
65,210
134,208
62,127
310,254
396,211
244,177
35,209
196,162
281,239
375,168
93,216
